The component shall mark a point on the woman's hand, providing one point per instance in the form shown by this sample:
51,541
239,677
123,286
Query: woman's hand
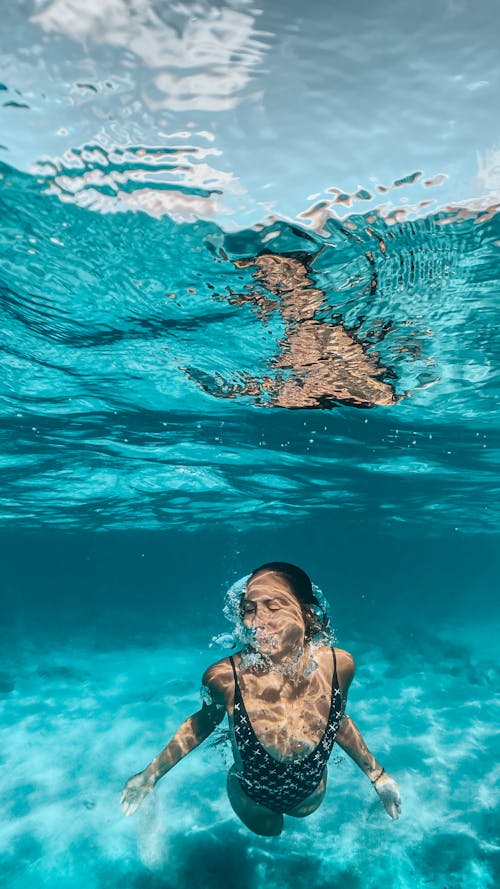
135,790
388,792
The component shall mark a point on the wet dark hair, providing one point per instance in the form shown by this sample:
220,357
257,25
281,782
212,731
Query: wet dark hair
314,614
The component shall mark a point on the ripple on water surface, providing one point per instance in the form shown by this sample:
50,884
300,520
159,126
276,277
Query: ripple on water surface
155,369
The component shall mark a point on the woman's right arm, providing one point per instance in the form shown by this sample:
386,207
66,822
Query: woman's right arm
193,731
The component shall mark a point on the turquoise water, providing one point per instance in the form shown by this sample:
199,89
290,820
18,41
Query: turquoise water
393,510
173,414
122,337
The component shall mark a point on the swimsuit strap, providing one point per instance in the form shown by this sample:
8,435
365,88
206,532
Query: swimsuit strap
335,679
234,670
238,697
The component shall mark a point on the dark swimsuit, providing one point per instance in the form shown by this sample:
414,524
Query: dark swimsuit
280,785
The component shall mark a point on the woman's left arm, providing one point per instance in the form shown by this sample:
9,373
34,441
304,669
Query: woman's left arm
349,738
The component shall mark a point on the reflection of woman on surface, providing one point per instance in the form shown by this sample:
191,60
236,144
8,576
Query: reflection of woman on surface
285,697
320,363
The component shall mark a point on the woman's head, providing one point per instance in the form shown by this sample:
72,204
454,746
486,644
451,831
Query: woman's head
279,602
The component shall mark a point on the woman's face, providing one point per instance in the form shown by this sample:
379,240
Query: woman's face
270,609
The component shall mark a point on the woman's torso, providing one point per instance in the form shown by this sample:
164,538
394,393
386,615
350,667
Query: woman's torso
288,714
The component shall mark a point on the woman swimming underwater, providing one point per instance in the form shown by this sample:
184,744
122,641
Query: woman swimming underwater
285,694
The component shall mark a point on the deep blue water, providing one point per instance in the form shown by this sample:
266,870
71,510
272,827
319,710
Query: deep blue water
173,414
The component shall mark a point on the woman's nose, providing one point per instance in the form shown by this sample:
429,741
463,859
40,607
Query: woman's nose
257,618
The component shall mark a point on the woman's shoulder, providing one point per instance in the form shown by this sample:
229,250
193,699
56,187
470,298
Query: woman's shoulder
218,675
344,660
345,668
340,653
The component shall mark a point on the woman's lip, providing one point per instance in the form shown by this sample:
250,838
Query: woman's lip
264,637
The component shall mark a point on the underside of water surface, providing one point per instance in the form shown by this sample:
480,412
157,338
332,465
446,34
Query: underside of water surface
155,375
249,285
